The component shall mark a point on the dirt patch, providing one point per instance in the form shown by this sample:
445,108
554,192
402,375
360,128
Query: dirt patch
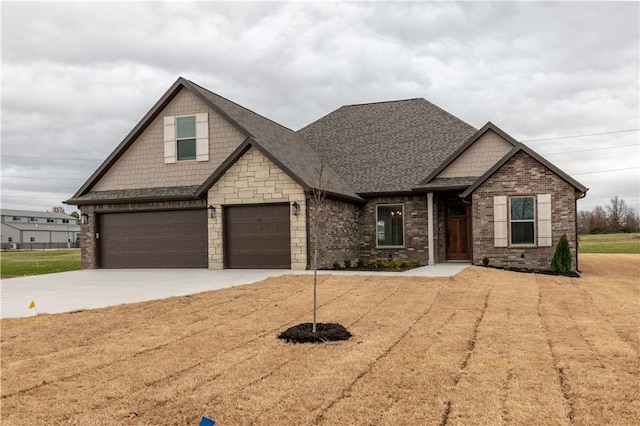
484,347
303,333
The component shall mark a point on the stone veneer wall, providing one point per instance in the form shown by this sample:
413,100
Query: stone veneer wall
142,165
415,229
254,179
88,242
338,233
523,175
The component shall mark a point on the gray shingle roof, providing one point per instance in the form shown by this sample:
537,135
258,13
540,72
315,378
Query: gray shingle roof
285,146
387,146
34,213
163,193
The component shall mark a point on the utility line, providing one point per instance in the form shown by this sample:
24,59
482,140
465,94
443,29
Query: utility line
592,149
579,136
604,171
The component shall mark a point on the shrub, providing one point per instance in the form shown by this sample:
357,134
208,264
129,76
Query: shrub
561,261
392,264
360,263
414,263
485,261
336,265
347,263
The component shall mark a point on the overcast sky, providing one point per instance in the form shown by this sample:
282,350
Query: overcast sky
77,77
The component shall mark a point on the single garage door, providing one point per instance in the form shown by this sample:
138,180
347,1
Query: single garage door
163,239
257,237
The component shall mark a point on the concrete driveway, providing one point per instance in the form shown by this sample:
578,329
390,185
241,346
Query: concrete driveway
98,288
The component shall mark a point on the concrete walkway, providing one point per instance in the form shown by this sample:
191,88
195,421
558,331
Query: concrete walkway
98,288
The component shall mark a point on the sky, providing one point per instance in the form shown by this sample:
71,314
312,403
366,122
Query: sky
78,76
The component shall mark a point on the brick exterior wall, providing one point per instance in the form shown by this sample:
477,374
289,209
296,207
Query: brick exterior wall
479,157
88,242
338,233
254,179
523,175
415,229
142,165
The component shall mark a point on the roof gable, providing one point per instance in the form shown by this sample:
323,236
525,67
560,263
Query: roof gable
464,147
516,149
283,146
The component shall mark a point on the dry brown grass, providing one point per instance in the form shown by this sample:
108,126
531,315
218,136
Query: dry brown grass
484,347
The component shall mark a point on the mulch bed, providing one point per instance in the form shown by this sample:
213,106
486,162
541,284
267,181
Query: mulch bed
302,333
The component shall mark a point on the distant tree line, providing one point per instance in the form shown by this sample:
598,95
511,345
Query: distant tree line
616,217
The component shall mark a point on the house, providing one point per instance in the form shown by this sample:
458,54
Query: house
204,182
35,229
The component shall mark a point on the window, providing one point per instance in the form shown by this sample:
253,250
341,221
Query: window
522,220
65,220
33,239
51,221
186,137
17,219
10,239
33,219
389,225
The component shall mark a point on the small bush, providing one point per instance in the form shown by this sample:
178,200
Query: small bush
561,261
347,263
392,264
414,263
360,263
485,261
336,265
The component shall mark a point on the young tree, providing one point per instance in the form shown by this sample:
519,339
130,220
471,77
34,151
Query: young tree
317,197
598,220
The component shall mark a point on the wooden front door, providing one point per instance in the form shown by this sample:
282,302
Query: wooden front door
458,231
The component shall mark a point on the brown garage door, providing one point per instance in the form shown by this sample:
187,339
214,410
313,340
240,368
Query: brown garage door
165,239
257,237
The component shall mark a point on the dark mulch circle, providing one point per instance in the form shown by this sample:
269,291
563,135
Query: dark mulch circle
325,332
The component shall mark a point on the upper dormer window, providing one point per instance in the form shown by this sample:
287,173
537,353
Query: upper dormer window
186,138
51,220
33,219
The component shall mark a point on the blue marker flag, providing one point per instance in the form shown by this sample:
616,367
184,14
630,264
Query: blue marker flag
207,422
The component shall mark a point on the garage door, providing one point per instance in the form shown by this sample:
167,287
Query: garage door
257,237
166,239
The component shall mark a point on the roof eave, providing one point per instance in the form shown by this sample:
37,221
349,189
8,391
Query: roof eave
85,202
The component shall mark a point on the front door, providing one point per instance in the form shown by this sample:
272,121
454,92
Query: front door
458,231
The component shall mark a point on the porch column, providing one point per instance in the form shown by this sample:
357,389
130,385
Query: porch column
430,227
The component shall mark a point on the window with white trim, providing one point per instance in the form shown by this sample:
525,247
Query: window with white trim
390,225
522,220
186,138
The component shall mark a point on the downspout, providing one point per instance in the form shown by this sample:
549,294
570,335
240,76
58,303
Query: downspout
576,224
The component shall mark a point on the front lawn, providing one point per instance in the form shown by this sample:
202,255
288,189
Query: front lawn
609,243
484,347
23,263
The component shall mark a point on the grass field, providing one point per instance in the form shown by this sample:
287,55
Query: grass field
485,347
609,243
21,263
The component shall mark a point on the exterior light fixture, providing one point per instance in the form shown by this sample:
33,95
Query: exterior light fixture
295,208
84,218
212,211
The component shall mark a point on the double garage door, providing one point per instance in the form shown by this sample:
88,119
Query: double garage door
254,237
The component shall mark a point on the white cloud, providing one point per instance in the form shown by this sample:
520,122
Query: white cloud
76,77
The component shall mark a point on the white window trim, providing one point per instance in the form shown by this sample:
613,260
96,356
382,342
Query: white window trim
201,137
403,225
194,138
535,225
